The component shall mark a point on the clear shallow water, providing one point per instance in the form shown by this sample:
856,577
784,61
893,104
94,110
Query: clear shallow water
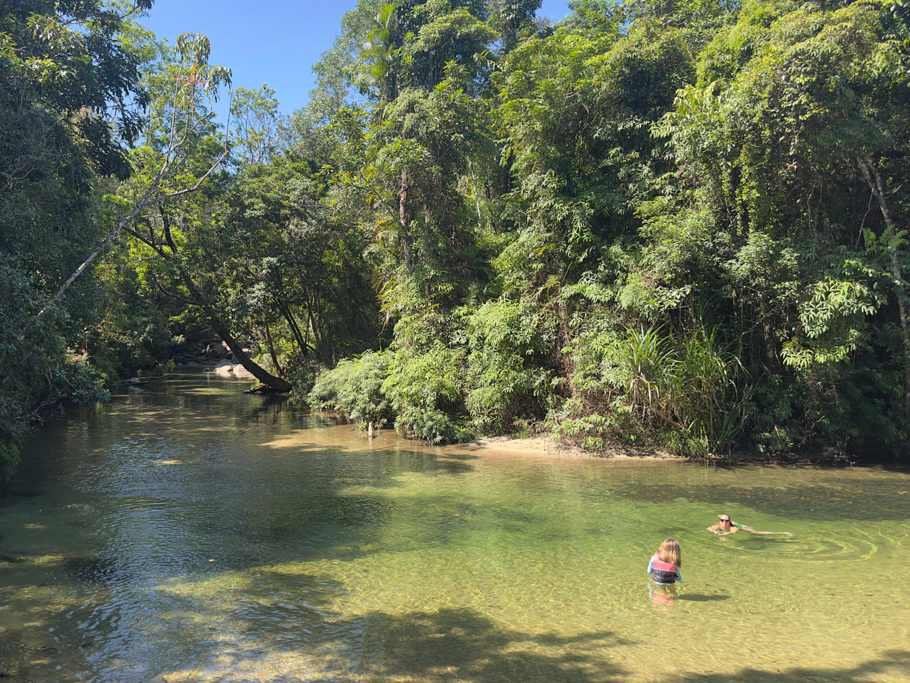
194,533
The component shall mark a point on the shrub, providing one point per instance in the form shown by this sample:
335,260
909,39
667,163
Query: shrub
425,390
505,379
353,388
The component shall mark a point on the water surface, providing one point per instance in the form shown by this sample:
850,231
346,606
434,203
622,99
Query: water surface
190,532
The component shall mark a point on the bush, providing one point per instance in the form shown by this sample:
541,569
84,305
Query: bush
353,388
689,395
425,390
504,377
594,431
82,384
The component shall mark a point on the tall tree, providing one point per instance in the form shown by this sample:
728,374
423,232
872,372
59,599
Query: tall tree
788,140
69,102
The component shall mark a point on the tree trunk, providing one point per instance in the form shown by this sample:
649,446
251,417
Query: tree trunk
105,243
476,199
276,383
302,343
874,180
268,340
270,380
405,223
149,198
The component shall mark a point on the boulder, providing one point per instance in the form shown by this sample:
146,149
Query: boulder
218,350
229,369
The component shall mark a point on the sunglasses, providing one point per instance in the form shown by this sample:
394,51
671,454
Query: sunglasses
725,520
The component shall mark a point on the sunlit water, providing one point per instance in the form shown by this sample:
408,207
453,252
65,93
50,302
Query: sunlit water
194,533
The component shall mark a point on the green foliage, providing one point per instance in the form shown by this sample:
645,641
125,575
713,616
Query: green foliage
579,424
132,327
505,383
577,108
447,36
69,101
687,394
511,19
662,222
80,383
834,318
682,220
424,389
775,144
353,388
256,125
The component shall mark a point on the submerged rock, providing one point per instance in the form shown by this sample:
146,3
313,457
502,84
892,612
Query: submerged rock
93,570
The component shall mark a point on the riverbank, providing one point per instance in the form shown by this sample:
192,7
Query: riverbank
545,446
549,447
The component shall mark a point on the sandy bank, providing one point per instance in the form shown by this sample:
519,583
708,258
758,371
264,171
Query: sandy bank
543,446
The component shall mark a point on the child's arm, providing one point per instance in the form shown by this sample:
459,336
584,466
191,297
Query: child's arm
651,565
678,575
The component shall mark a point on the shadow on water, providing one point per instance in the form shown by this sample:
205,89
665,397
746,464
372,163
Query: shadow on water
461,644
340,525
892,663
451,644
835,504
94,570
694,597
274,635
325,513
132,643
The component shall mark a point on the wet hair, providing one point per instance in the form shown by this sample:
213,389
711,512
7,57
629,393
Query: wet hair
670,552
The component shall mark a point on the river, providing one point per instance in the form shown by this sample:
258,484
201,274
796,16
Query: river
190,532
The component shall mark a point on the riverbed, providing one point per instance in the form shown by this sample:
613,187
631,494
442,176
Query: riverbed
190,532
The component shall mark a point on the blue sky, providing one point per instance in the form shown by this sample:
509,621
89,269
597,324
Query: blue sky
269,41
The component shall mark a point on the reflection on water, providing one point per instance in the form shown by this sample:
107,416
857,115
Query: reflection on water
194,533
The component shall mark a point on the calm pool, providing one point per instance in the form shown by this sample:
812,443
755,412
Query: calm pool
190,532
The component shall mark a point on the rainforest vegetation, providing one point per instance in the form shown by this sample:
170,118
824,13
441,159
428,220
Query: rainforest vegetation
678,224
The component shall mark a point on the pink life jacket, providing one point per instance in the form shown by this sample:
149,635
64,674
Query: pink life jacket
663,572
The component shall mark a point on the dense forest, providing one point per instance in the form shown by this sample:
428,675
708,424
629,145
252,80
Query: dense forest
681,225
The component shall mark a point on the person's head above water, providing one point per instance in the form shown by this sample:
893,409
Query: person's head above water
669,552
724,526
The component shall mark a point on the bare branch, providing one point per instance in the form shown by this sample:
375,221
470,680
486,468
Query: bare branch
149,198
201,178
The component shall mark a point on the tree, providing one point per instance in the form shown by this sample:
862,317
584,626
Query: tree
256,126
69,102
783,143
510,19
183,148
578,140
285,262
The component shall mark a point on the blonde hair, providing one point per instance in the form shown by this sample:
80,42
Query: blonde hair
670,552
